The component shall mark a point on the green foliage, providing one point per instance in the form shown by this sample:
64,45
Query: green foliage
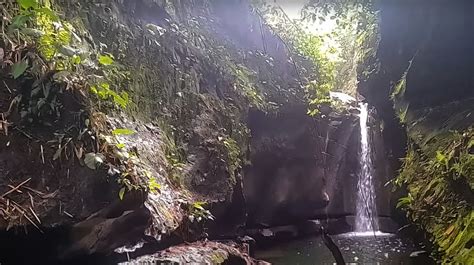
174,155
123,131
399,89
103,92
404,201
54,41
318,89
434,175
19,68
25,4
197,212
352,42
321,74
43,104
246,80
122,192
233,157
20,20
339,54
397,96
51,33
153,186
106,59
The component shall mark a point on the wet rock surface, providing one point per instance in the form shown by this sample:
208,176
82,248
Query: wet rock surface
207,252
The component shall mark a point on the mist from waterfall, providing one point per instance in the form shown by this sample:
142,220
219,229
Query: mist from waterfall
366,211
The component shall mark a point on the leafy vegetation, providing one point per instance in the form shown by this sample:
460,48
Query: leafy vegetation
19,68
233,157
439,179
77,67
198,213
438,172
340,53
174,155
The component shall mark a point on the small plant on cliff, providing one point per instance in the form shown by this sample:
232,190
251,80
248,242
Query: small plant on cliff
233,157
198,213
174,155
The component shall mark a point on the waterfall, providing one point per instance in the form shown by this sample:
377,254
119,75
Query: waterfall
366,212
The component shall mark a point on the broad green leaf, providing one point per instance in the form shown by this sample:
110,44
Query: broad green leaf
106,60
121,193
123,132
19,68
19,21
120,145
25,4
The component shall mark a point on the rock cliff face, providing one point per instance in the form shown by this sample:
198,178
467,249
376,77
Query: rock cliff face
293,159
425,90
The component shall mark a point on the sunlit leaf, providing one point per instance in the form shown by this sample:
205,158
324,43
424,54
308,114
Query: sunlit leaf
153,185
198,205
121,193
105,86
94,89
106,60
76,60
48,12
25,4
123,132
441,158
121,100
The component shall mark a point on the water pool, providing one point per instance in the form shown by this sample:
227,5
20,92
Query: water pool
356,248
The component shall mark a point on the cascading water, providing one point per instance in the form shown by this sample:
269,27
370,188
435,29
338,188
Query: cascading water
366,212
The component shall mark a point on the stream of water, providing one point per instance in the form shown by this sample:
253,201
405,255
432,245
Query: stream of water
366,211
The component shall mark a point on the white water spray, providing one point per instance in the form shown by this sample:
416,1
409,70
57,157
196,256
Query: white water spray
366,212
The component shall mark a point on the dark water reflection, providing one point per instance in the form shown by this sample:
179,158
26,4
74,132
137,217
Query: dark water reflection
382,249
